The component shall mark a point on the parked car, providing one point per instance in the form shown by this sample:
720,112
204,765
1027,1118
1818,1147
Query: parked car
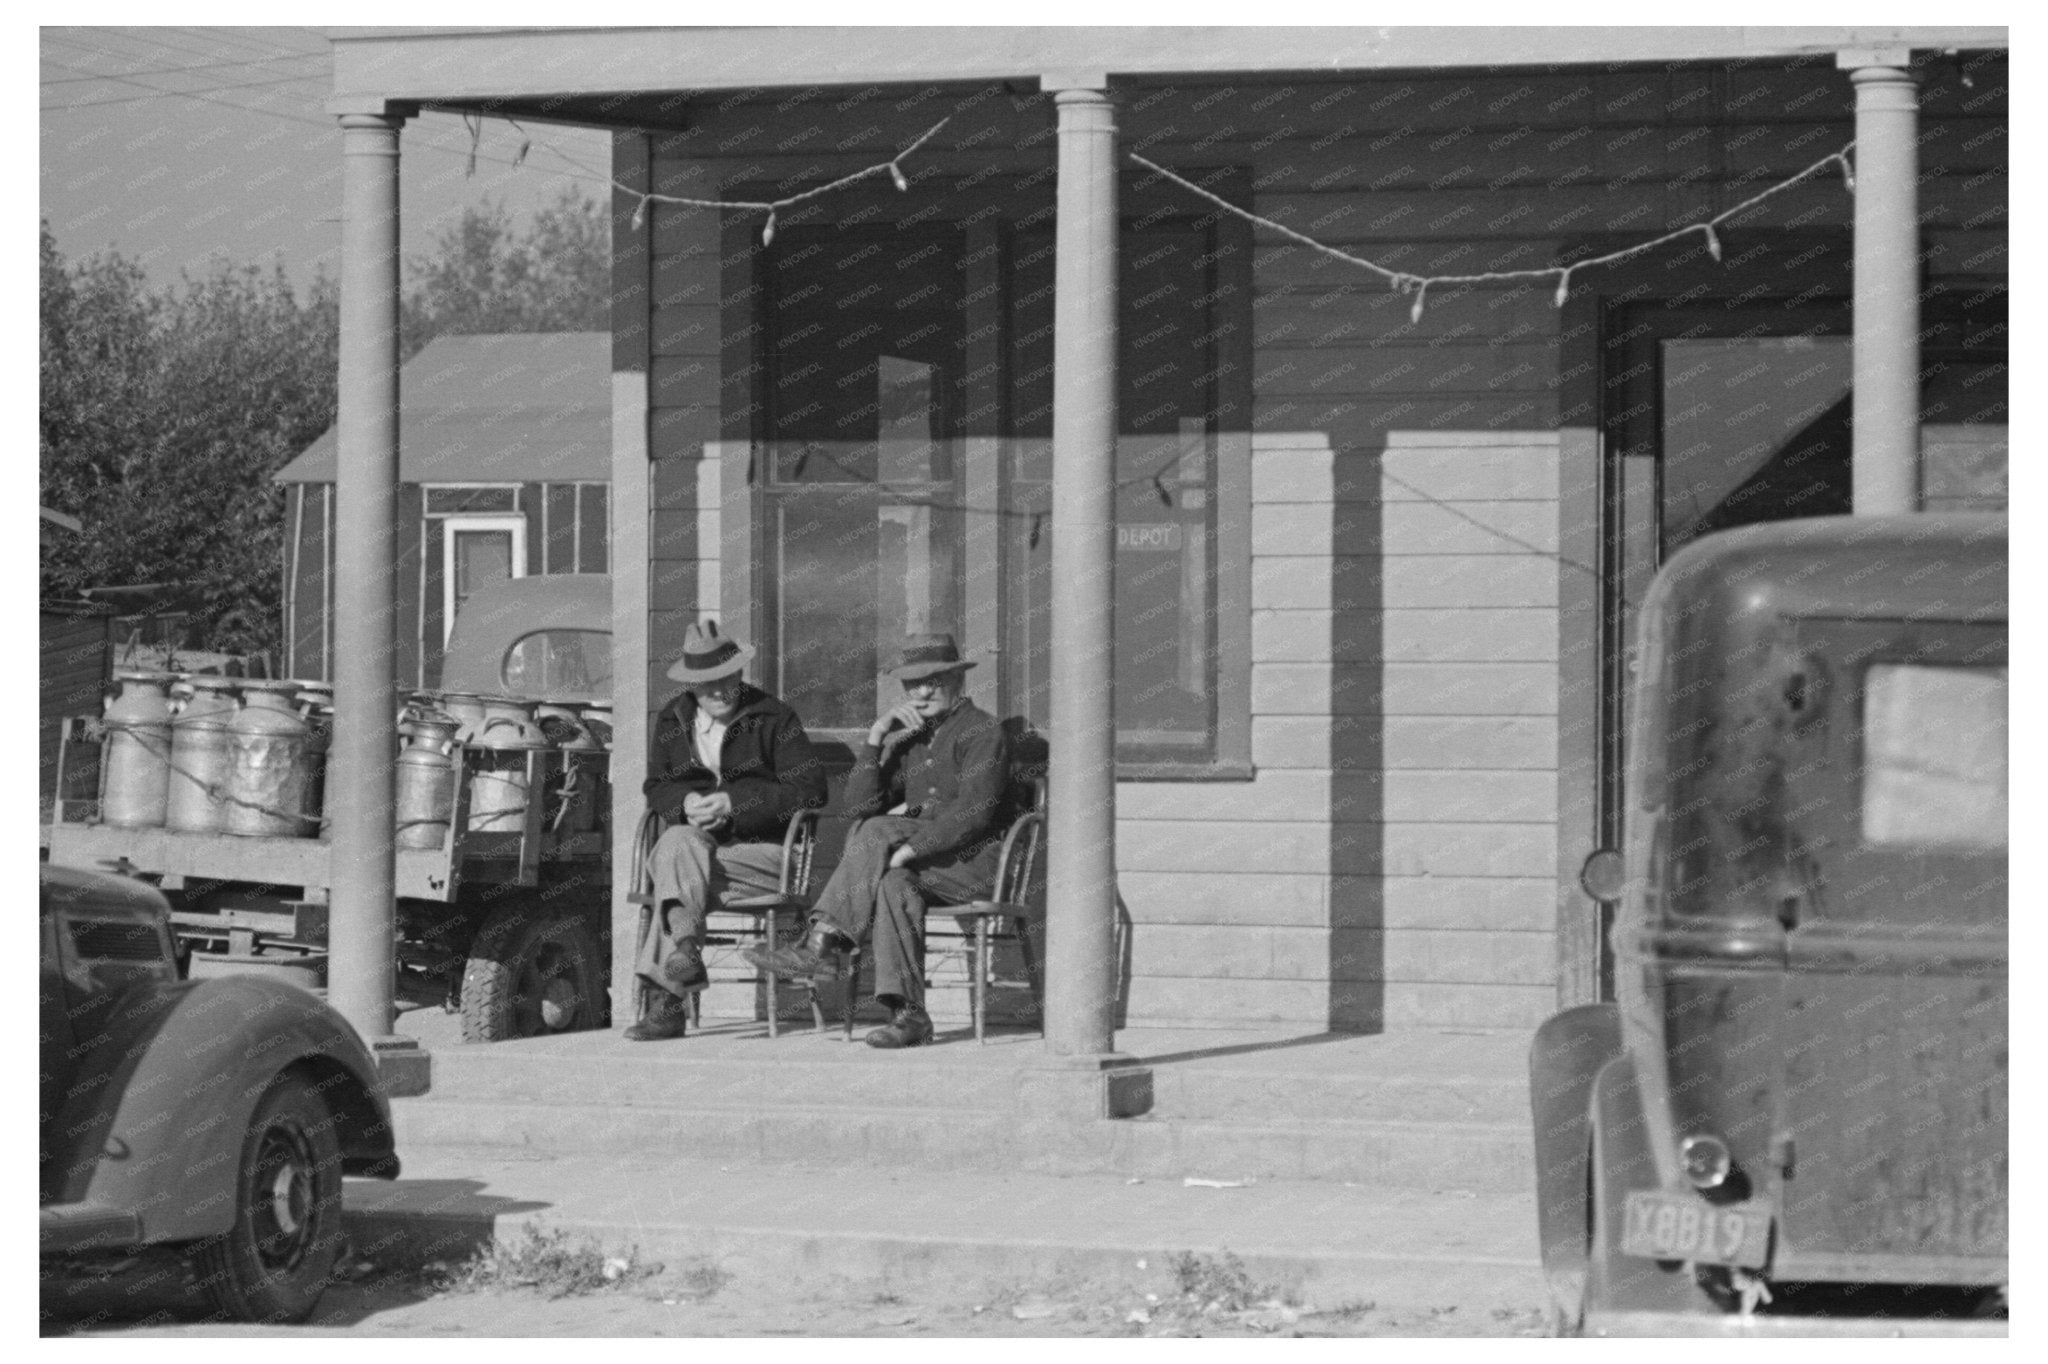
216,1116
1798,1099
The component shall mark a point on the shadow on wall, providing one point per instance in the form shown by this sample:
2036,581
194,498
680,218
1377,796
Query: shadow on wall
1357,902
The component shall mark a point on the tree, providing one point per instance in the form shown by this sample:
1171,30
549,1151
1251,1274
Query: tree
164,413
484,276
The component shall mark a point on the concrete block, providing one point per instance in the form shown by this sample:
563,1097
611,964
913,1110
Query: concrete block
1404,688
1457,956
1182,845
1468,527
1272,794
1456,797
1290,474
1487,635
1451,742
1480,902
1280,899
1444,849
1217,1003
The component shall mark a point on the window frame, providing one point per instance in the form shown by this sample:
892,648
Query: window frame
744,553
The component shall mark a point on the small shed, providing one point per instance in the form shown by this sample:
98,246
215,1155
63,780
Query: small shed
504,472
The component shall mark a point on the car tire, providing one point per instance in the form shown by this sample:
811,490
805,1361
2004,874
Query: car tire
275,1261
531,973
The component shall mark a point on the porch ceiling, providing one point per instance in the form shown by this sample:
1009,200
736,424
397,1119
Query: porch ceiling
618,76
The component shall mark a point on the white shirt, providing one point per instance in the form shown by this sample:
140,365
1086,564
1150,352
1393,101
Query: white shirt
710,741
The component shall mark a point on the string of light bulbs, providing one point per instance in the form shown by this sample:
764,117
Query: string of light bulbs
1408,282
893,168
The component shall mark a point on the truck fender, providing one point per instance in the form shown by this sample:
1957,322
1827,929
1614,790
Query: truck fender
154,1118
1564,1057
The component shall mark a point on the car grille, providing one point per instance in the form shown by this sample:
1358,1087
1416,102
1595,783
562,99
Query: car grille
116,940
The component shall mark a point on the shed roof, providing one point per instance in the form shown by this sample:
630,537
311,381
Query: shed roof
526,407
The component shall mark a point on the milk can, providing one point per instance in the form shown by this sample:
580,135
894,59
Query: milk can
137,789
426,779
267,753
468,710
316,703
497,791
199,756
572,789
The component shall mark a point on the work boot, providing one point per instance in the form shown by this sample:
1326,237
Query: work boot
683,972
667,1016
908,1026
807,958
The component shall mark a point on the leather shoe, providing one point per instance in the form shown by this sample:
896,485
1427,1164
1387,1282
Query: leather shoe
908,1026
804,959
683,972
667,1017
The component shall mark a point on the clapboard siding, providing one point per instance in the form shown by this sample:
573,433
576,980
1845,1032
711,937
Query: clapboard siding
1392,862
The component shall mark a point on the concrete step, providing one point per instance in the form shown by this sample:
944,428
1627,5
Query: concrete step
922,1233
1494,1157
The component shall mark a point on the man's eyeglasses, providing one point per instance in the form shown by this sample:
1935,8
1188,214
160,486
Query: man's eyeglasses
924,684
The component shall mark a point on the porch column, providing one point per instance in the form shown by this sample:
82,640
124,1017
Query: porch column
1080,976
362,770
1885,411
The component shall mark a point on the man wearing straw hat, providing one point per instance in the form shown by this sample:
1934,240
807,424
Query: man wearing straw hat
730,764
941,767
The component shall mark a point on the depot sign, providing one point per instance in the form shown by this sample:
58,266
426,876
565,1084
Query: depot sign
1149,535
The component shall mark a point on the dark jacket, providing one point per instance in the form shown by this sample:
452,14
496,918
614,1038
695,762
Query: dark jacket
955,777
770,769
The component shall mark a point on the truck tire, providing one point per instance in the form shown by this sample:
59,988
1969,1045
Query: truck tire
531,972
274,1262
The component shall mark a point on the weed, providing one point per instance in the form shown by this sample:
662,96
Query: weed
1219,1280
551,1261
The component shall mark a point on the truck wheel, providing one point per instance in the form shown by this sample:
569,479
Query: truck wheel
531,972
273,1263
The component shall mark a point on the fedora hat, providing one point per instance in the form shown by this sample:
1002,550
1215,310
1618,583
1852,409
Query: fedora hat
709,655
927,656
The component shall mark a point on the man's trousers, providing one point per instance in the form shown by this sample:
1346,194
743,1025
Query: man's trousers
690,871
866,896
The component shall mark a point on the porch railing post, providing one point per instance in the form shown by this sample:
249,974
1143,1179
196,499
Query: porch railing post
1885,410
361,783
1080,982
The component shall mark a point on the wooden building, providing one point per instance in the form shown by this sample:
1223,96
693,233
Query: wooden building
1376,550
506,473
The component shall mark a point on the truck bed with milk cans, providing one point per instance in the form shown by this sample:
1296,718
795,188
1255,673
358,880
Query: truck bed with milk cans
214,788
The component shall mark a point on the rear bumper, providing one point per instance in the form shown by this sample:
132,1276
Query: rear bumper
1651,1324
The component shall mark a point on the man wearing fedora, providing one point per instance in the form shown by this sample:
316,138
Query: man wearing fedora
729,765
940,766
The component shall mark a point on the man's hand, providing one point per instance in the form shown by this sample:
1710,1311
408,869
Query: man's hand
708,811
901,714
902,856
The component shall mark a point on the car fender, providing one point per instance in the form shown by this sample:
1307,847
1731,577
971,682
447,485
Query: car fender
1564,1057
1623,1160
154,1118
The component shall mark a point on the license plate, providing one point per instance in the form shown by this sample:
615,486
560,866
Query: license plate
1662,1226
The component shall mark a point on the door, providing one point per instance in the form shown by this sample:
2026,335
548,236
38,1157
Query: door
1716,416
477,550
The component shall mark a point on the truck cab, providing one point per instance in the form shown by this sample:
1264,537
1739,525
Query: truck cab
1792,1117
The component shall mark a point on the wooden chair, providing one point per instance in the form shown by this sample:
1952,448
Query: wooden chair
762,915
1007,915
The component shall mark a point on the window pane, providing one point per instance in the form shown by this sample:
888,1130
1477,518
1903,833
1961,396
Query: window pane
560,664
855,573
1755,429
1934,756
481,556
455,501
